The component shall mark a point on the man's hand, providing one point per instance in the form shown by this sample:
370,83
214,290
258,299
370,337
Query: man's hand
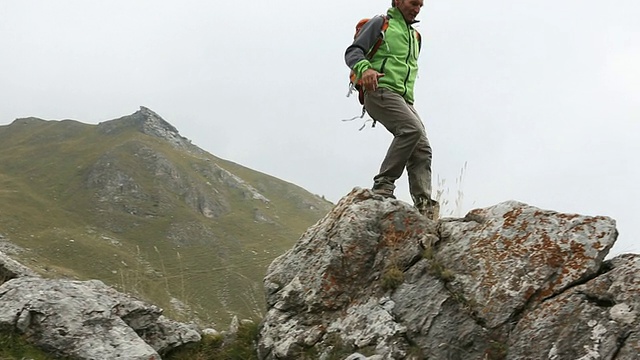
370,79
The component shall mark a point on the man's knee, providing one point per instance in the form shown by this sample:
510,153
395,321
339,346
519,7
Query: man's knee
422,152
412,133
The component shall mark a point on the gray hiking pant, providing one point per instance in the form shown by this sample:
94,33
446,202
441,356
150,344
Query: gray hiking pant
410,147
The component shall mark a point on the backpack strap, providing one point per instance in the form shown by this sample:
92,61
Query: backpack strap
356,85
371,53
376,46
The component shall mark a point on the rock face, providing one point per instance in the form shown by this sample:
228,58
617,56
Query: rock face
85,319
375,280
595,320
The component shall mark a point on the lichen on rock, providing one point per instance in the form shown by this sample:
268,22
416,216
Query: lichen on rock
479,287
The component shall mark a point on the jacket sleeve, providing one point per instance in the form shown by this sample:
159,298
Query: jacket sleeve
356,54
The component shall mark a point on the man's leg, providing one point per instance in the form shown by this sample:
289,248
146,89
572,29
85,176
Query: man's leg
419,172
419,167
393,112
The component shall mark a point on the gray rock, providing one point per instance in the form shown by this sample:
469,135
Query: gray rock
11,269
358,356
329,291
437,322
599,319
9,248
513,254
88,320
374,277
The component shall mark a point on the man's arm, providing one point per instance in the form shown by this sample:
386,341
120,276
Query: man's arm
356,54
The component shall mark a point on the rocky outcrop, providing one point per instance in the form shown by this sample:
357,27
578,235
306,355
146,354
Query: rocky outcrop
375,280
147,122
118,187
85,319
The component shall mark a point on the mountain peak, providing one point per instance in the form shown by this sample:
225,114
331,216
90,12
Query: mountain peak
147,122
153,124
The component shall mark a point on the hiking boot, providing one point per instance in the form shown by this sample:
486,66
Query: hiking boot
430,209
385,193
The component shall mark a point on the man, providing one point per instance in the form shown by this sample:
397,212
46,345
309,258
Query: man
388,79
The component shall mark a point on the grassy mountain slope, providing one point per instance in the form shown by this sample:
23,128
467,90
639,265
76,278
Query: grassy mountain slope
131,202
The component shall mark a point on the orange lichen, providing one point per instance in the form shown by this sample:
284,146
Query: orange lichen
566,216
329,283
511,217
392,237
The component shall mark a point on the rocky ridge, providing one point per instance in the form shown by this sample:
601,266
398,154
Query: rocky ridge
374,280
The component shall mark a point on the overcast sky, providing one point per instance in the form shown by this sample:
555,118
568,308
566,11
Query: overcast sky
540,99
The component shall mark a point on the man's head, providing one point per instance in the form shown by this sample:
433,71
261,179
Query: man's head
409,8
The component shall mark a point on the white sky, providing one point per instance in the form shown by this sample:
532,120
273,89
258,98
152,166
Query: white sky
540,98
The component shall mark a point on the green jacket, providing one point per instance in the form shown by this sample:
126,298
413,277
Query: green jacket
397,57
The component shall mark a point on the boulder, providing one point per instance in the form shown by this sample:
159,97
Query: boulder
510,255
88,320
374,279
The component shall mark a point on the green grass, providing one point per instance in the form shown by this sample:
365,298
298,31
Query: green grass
436,267
240,346
392,278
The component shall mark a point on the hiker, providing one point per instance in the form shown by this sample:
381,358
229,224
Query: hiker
388,79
